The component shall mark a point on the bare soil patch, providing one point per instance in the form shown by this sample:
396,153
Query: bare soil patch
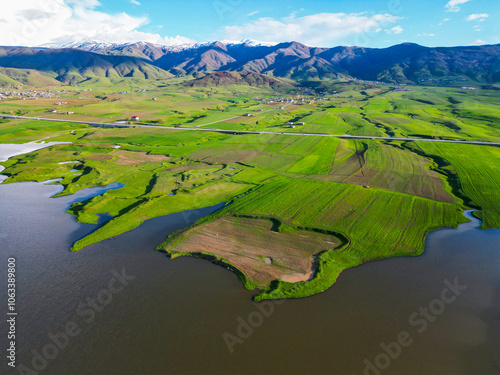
136,158
252,247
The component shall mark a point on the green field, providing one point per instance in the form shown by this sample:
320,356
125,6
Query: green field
377,224
477,169
378,198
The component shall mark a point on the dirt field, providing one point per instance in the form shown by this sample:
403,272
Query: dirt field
136,158
251,246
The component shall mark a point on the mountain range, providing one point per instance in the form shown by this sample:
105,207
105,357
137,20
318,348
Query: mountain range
402,63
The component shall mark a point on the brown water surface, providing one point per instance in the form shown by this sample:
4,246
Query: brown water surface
172,317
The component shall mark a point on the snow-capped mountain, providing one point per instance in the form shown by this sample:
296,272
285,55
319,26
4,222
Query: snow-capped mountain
401,63
144,50
92,46
151,51
249,43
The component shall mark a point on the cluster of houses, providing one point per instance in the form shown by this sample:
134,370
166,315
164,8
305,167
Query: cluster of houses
297,100
62,112
29,94
34,94
441,79
369,82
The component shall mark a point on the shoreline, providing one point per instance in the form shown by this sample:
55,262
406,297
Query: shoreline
301,286
6,155
326,266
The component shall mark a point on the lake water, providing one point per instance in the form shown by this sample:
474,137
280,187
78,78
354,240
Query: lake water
171,317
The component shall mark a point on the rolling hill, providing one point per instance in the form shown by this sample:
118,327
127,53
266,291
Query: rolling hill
237,78
28,77
403,63
73,65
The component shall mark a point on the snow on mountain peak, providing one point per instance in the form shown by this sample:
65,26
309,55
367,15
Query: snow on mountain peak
168,45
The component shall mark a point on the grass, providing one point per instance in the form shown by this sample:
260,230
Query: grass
310,185
319,158
388,166
374,224
478,172
151,207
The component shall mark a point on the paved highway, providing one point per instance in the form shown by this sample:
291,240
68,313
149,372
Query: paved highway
111,124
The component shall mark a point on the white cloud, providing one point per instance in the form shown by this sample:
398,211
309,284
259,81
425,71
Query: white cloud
395,30
453,5
477,17
425,34
35,22
477,42
443,21
320,29
253,13
135,2
176,40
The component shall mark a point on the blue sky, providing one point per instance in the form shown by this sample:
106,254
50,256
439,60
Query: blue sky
325,23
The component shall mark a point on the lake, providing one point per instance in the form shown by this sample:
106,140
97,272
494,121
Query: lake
134,311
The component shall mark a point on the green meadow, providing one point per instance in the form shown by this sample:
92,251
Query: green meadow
379,198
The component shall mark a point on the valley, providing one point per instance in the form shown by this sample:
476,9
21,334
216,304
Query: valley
250,187
366,168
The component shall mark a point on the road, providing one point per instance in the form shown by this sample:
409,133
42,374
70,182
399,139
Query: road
141,125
